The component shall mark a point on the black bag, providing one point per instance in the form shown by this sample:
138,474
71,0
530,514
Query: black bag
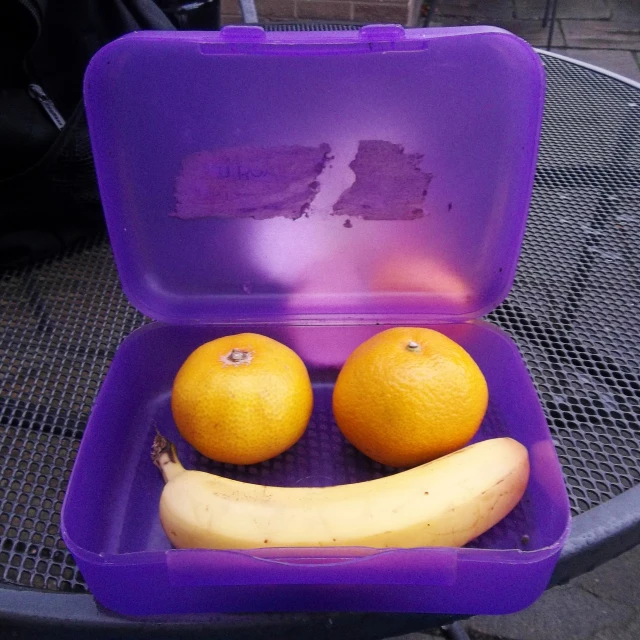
48,192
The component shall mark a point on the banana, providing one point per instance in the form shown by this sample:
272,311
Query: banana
446,502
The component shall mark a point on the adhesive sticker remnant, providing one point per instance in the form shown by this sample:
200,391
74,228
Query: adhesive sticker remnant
389,184
249,182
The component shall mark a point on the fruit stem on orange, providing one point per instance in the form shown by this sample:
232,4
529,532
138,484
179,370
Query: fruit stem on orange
413,346
237,356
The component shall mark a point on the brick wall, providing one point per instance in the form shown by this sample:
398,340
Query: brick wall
368,11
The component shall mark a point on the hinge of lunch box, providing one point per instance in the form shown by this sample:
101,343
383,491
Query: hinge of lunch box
382,32
389,37
242,33
379,37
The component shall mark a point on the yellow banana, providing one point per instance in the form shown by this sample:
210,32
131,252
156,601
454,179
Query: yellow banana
446,502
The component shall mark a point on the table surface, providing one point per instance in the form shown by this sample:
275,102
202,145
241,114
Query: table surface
573,312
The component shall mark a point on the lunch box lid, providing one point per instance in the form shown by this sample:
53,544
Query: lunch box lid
379,175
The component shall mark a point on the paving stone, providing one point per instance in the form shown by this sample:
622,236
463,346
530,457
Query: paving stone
616,580
528,30
602,34
631,631
625,10
571,9
562,613
480,9
623,63
535,34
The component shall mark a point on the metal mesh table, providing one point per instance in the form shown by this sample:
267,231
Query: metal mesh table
573,312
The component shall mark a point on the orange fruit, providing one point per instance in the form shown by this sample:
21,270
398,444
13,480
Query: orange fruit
242,399
409,395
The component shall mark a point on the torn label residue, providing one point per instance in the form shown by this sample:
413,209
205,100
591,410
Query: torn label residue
249,182
389,184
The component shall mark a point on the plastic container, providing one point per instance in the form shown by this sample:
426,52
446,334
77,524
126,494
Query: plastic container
315,187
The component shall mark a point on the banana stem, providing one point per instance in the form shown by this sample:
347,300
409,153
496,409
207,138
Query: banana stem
165,457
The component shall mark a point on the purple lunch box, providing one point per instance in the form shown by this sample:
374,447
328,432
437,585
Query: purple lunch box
315,187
